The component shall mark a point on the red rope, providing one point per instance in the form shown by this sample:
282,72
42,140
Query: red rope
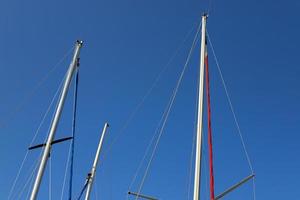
210,149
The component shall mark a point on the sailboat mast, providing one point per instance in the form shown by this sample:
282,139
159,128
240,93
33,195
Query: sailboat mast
55,121
197,178
91,175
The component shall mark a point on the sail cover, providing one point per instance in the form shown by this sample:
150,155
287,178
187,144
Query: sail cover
210,143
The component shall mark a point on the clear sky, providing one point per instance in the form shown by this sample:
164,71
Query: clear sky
127,44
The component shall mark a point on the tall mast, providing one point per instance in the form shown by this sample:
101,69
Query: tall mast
92,173
197,178
55,121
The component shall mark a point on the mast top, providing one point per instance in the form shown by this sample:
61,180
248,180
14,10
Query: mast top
79,42
205,14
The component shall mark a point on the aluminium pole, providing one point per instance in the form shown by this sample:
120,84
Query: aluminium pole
197,178
91,175
55,121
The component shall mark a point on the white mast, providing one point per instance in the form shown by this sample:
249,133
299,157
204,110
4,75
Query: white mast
197,178
92,173
55,121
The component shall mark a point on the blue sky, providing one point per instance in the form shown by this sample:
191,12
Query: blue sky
127,44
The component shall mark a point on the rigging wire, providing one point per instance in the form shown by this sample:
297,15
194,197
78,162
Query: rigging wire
234,115
147,94
164,113
17,176
84,188
30,177
33,139
66,172
71,146
41,122
73,130
143,159
30,184
172,99
231,107
156,132
35,135
21,105
45,139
